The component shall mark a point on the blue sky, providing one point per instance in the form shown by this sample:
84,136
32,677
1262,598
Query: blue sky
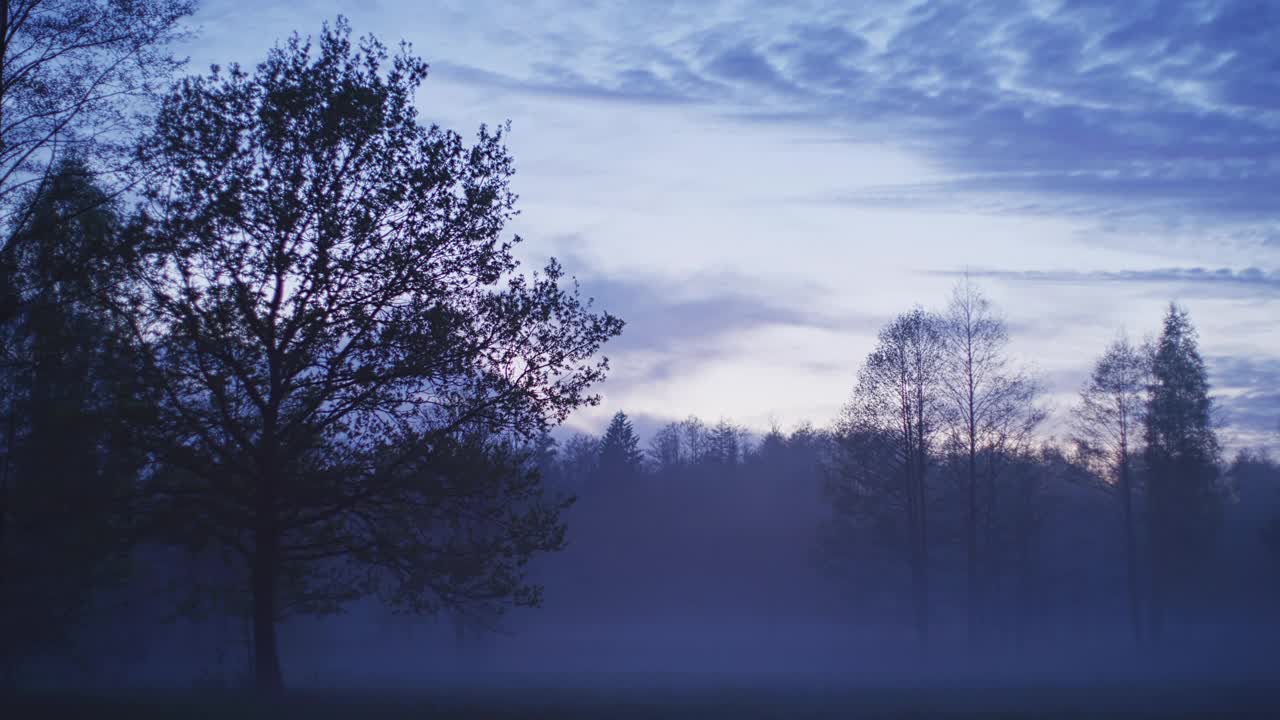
757,188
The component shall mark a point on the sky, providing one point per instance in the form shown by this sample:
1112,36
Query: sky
757,188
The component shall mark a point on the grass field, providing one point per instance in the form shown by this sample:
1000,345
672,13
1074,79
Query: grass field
655,698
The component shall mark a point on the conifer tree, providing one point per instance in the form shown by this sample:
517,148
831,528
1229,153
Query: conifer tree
1182,454
620,454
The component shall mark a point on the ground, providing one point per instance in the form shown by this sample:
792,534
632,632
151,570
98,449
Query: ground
647,698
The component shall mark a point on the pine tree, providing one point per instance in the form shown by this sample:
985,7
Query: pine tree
620,455
1182,454
727,444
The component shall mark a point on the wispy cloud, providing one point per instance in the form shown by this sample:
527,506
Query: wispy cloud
1254,279
634,86
1250,407
679,324
1147,107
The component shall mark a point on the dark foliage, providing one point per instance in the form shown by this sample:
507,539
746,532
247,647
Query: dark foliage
337,341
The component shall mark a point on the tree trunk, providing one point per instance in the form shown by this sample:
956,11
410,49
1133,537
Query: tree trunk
1023,613
920,611
1155,605
923,610
1131,551
993,620
915,514
6,477
922,528
971,560
266,657
1027,555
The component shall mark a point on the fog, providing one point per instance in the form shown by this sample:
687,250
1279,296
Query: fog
719,570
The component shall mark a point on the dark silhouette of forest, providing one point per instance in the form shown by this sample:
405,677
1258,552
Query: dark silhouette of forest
278,410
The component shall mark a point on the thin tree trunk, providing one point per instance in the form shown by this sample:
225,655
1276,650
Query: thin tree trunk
919,591
6,476
922,526
992,620
1022,618
924,575
1131,551
914,511
1155,605
918,586
972,532
246,623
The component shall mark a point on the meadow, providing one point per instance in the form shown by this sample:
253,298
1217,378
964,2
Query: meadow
620,698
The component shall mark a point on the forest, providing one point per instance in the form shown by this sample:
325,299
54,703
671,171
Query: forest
282,408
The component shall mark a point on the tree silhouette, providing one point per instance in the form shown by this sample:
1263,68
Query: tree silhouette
1182,454
726,444
1107,422
897,399
991,410
339,343
666,451
67,401
580,460
620,457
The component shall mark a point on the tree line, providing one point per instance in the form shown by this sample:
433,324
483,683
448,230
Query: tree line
946,507
267,350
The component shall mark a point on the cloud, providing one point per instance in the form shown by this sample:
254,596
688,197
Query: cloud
1161,110
683,326
685,320
1148,108
743,64
1252,279
631,86
1250,407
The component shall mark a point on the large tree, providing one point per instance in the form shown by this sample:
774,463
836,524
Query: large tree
339,341
896,398
1182,455
1108,421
